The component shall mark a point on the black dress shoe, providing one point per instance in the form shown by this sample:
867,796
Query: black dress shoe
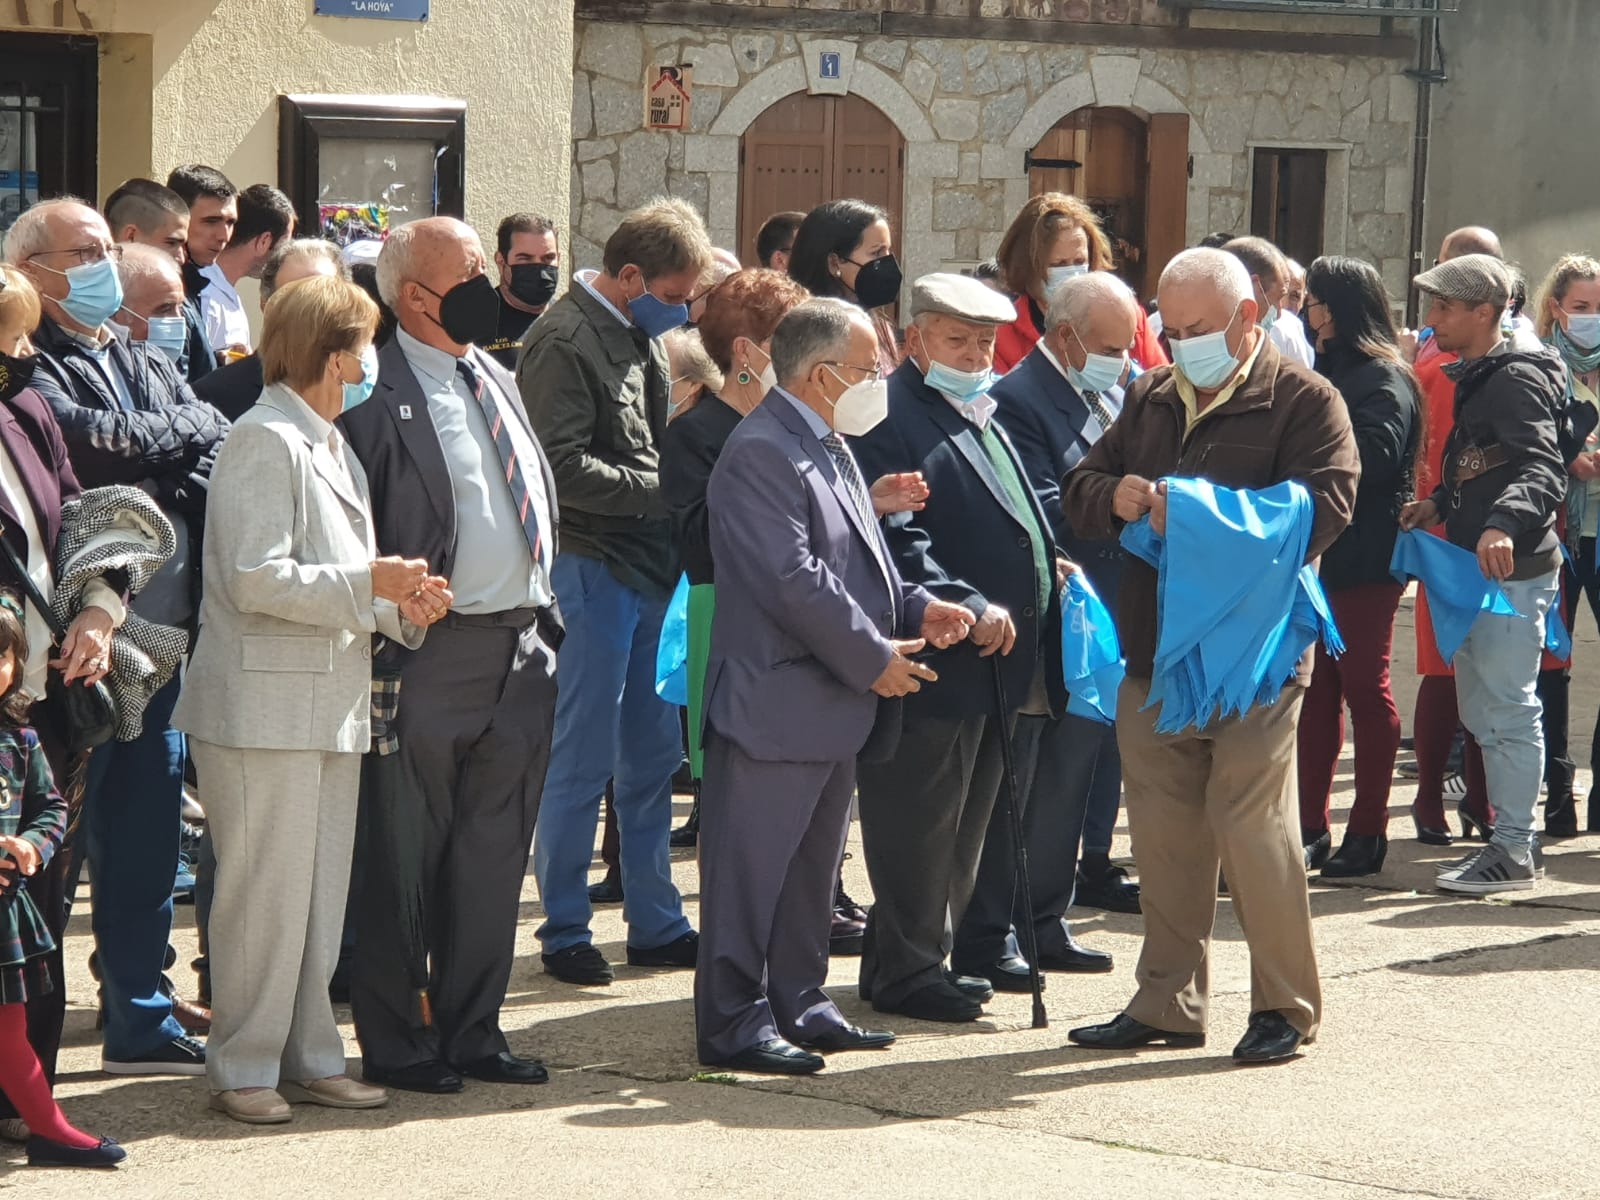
581,964
846,935
42,1152
974,987
1076,959
1562,823
1359,854
850,1037
1431,835
941,1001
687,834
434,1077
1318,846
1122,1032
774,1057
1010,974
506,1068
1270,1038
608,890
680,952
1110,889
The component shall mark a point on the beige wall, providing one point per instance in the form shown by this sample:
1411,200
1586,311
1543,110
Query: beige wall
198,80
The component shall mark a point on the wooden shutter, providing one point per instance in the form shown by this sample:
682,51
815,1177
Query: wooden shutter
1167,197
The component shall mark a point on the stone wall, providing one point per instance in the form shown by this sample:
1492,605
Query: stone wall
969,110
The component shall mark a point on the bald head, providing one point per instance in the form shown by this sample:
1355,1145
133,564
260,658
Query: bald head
152,286
41,242
1470,239
420,263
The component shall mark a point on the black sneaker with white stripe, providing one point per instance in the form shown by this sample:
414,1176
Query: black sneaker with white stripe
1489,872
180,1056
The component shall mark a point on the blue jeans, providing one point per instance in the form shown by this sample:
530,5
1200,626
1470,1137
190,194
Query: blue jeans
610,725
132,813
1497,675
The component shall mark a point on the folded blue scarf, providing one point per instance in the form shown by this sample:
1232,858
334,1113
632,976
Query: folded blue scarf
1236,606
1091,653
1457,587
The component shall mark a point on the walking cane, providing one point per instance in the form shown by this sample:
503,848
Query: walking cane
1019,850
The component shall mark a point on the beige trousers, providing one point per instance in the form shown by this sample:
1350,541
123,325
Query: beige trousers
1225,796
283,823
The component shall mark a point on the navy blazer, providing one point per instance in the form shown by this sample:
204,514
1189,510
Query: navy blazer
1052,428
805,608
968,545
413,502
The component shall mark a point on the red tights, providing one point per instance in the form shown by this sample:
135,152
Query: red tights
23,1082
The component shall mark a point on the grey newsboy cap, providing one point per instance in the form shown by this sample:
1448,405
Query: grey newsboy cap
961,296
1474,278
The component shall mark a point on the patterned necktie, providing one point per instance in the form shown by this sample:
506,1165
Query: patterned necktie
1098,407
852,478
515,480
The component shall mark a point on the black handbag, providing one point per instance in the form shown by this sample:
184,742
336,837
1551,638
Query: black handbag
89,714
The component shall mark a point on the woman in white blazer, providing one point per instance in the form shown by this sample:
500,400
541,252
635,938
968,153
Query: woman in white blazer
276,703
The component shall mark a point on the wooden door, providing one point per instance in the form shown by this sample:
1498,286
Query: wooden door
1166,217
805,150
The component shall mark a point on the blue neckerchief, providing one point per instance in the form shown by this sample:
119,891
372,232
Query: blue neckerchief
1457,588
1092,666
1581,361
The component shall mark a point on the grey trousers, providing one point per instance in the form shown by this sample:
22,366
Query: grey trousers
283,825
477,704
771,834
923,817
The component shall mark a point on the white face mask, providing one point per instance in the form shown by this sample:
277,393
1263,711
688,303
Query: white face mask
861,406
1583,330
1054,277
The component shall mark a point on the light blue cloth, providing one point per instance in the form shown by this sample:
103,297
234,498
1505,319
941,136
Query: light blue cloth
1092,665
1457,589
1236,605
672,652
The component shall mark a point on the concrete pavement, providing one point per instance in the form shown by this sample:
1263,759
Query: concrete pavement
1457,1059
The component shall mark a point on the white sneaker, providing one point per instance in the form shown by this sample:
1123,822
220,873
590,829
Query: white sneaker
14,1130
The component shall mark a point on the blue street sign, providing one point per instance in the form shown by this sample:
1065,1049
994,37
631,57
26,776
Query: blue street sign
381,10
828,68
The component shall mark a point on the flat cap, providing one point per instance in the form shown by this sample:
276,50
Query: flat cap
961,296
1474,278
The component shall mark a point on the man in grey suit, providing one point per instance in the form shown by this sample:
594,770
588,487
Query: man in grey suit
803,645
459,479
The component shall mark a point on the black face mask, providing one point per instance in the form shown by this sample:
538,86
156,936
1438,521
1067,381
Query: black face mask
15,374
469,312
878,282
533,284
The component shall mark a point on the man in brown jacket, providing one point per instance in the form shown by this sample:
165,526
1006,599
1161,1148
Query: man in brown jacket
1234,411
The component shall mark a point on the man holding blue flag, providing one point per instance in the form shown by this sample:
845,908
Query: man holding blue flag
1504,478
1231,410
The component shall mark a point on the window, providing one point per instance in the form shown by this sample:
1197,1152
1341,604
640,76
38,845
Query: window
48,98
1290,192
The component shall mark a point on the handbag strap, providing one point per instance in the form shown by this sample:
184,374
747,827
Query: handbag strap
38,601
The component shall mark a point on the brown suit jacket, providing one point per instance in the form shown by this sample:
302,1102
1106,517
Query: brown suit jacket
1284,422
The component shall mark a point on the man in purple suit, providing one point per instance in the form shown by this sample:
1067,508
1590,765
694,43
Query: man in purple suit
805,663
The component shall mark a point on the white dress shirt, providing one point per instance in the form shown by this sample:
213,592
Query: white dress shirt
223,312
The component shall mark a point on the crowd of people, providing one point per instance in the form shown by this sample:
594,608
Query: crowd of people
336,628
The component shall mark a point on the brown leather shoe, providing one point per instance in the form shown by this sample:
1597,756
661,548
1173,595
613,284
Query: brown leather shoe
336,1091
195,1018
253,1106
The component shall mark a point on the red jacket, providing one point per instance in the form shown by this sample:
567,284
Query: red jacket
1015,341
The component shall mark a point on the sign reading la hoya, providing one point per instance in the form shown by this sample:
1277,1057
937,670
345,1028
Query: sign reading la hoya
666,99
382,10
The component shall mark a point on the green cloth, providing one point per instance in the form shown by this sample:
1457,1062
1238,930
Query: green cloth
1022,500
702,604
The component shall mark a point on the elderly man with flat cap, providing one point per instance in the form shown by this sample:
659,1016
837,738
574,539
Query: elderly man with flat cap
1504,477
982,542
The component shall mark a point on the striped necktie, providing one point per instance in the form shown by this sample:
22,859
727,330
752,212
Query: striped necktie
513,467
1098,407
852,478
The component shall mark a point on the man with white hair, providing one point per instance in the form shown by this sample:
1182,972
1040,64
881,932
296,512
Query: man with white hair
458,478
1056,404
1271,278
126,417
981,541
1234,411
152,299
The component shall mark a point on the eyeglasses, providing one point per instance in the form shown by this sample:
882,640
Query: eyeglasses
873,372
97,252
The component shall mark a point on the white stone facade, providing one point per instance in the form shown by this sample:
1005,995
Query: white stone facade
969,110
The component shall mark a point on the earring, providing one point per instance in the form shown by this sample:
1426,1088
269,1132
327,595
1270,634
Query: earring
744,375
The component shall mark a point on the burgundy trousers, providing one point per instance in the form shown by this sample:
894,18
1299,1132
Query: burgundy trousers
1360,678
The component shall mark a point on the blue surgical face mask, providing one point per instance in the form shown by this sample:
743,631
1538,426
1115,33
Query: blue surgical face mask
965,386
1583,330
1054,277
1101,372
1270,318
1206,360
654,315
357,393
168,334
94,292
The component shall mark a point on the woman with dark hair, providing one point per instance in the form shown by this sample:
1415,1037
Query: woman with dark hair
1053,238
1347,313
844,249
